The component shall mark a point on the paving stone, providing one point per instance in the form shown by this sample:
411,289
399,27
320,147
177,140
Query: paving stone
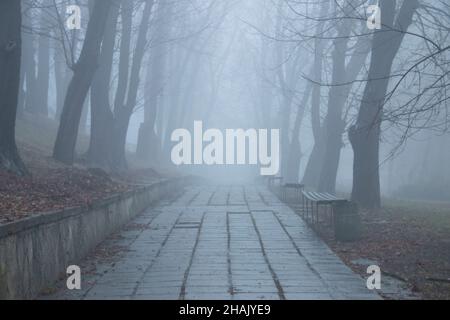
221,242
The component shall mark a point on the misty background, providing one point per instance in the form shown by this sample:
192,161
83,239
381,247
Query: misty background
138,69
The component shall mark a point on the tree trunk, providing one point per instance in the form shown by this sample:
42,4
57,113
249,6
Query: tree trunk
365,134
314,164
43,75
84,71
84,123
27,51
22,93
124,114
62,74
334,123
182,64
10,57
335,119
148,148
295,150
312,171
102,118
29,67
178,65
126,14
285,112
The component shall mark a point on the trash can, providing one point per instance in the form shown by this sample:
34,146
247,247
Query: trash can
347,221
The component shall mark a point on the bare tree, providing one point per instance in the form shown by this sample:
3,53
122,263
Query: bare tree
123,112
84,71
10,53
102,118
343,76
148,145
28,58
311,176
364,135
43,61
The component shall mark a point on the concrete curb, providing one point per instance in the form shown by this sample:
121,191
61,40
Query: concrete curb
35,252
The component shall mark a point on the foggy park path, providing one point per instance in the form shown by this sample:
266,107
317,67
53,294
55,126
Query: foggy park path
217,242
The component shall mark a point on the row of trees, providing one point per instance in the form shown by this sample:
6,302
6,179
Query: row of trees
316,66
118,62
369,83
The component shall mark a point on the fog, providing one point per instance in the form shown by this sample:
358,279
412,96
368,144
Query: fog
224,149
132,72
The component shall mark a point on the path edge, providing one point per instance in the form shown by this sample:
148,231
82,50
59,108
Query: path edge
35,251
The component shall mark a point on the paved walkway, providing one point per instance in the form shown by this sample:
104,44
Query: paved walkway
217,242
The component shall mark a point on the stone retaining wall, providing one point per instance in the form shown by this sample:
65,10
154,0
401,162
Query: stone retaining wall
35,252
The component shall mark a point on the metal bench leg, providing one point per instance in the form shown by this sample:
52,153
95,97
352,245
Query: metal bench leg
313,215
317,213
306,208
307,213
330,215
303,204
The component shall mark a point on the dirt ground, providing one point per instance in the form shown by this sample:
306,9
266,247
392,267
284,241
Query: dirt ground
410,241
52,185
